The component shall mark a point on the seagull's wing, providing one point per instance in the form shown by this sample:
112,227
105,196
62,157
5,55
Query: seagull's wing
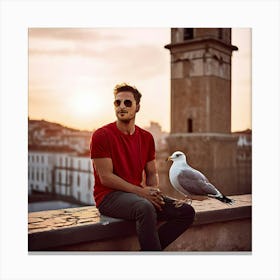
210,189
195,182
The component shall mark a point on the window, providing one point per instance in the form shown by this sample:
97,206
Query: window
88,198
190,125
59,178
42,159
78,180
188,33
89,183
70,179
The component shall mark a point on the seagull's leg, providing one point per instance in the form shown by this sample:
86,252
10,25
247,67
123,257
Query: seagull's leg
188,200
178,203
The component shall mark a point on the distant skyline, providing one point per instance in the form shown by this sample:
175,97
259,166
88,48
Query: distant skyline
72,72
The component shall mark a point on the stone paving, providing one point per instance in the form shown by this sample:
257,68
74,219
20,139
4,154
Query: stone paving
55,219
73,217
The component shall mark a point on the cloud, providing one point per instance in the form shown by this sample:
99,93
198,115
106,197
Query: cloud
71,34
142,60
85,52
106,48
67,41
87,41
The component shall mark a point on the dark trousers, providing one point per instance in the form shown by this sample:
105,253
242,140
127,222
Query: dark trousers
130,206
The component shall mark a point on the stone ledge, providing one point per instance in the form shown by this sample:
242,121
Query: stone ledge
48,230
206,136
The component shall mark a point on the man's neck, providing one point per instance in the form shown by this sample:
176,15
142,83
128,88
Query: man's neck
126,127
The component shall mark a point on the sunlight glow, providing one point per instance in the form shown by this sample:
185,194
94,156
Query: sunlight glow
84,104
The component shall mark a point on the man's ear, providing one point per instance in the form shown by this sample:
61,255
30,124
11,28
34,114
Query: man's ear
137,107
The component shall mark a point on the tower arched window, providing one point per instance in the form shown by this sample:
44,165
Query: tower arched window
188,33
190,125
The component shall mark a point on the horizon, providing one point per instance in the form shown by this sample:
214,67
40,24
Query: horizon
71,82
69,127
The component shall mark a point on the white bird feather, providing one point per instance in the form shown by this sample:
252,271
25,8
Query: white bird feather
190,181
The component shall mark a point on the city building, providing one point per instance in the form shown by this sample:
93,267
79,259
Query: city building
158,134
43,133
244,160
59,165
61,174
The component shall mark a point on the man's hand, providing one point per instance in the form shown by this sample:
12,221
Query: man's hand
153,194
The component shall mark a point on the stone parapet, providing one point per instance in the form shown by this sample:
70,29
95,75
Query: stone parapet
217,227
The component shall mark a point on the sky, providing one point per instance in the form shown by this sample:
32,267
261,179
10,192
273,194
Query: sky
72,73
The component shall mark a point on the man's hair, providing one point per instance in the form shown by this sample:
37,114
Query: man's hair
126,87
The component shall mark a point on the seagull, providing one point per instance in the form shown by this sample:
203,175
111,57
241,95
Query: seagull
190,181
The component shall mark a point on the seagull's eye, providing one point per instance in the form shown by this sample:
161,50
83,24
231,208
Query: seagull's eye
177,155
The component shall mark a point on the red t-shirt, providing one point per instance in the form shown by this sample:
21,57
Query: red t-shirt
129,154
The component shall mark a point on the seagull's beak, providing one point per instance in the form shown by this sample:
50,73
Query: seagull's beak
169,158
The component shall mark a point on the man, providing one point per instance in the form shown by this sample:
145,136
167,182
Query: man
126,179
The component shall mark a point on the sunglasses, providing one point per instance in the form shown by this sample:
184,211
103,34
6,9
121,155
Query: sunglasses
126,102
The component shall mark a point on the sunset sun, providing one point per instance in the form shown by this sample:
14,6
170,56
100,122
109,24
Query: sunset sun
84,104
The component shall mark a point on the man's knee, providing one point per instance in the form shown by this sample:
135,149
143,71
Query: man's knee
145,208
191,214
188,213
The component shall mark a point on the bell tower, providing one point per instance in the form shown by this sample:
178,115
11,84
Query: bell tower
201,102
201,79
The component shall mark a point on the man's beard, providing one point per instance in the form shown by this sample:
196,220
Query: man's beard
126,120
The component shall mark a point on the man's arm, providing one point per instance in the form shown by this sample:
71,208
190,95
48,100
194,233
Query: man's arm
104,168
152,180
151,174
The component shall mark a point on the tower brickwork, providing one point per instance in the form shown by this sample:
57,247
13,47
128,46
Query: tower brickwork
201,102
